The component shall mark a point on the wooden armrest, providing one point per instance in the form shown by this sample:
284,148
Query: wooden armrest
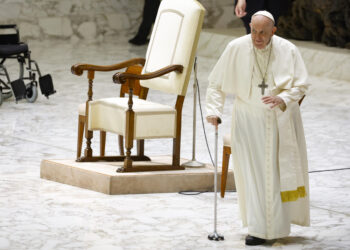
78,69
121,77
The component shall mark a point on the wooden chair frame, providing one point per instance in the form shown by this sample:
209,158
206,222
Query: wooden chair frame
129,79
136,69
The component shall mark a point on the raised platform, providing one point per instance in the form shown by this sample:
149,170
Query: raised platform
102,177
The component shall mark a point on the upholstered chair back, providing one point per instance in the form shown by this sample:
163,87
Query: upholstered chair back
174,41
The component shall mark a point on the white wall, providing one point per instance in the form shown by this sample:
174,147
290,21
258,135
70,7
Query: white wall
92,20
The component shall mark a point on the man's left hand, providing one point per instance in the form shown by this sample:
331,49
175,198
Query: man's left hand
275,100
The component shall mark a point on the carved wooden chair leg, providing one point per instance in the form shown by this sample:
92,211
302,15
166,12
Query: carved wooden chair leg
176,152
81,125
102,143
81,129
88,133
128,160
121,144
177,139
129,134
140,147
225,162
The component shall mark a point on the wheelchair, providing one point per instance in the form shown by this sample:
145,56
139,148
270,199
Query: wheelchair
25,87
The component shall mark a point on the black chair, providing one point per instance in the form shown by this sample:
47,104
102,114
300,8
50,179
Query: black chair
25,86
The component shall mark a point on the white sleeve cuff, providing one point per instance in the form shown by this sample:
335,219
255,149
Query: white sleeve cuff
285,97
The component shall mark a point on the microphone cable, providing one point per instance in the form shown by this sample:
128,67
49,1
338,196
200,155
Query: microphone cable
200,108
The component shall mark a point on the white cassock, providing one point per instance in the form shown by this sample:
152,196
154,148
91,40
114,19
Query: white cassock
268,145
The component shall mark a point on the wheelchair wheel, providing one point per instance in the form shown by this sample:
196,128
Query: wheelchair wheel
6,95
31,93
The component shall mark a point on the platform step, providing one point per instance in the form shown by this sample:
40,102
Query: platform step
103,177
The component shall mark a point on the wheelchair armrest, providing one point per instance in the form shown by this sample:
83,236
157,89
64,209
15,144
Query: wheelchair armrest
9,38
8,26
78,69
121,77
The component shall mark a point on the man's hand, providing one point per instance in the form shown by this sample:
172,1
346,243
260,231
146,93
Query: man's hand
240,8
214,120
275,100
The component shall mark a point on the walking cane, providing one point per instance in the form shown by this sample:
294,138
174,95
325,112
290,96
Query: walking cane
215,235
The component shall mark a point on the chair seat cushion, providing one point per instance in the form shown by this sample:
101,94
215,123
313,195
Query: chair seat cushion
227,140
152,120
13,49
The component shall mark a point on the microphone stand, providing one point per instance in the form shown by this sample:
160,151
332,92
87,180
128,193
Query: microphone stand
194,163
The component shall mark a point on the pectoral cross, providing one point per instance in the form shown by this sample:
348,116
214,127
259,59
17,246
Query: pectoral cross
263,86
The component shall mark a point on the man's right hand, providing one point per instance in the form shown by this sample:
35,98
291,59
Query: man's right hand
240,8
214,120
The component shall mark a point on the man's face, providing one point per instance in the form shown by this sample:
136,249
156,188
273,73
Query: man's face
262,29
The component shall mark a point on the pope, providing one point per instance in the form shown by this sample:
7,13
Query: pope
267,76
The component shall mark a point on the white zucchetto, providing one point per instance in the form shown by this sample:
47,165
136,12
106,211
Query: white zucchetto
265,13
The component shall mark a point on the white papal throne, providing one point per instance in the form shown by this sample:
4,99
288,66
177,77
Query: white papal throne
167,68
